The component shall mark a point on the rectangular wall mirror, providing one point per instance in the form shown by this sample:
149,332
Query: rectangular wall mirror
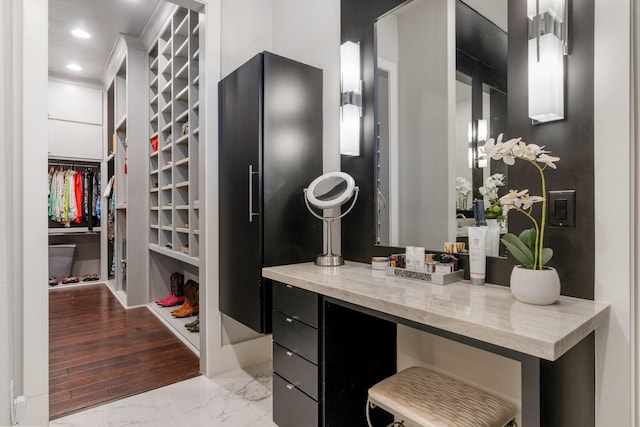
440,93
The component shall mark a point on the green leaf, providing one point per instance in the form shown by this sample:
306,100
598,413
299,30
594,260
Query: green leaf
528,237
518,249
547,253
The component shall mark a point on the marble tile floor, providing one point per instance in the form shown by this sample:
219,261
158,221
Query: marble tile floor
240,398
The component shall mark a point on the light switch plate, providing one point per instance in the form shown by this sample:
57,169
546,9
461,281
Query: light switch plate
561,210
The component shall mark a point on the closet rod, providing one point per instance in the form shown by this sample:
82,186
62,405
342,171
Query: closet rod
76,164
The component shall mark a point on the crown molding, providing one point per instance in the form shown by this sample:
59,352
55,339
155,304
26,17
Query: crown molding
157,23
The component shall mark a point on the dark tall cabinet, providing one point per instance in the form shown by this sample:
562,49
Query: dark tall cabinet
270,150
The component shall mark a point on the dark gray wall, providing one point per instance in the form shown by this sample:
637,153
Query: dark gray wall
570,139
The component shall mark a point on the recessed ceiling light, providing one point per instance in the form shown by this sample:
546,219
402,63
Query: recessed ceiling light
74,67
81,34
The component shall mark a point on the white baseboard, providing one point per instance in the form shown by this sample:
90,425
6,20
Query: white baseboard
242,355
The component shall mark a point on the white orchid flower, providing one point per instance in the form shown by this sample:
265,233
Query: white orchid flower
527,200
512,198
548,160
490,148
504,150
528,151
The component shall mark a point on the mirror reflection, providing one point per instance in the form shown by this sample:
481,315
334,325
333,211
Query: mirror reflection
440,94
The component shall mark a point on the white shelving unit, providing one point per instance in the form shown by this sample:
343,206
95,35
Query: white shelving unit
126,152
174,111
174,108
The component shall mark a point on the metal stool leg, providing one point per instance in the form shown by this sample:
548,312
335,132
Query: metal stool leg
371,405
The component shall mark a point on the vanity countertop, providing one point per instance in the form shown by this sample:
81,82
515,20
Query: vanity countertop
488,313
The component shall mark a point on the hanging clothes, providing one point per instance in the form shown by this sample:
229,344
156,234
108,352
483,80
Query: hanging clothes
79,196
97,204
73,195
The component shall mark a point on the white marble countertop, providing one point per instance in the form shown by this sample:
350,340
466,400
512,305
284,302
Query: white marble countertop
488,313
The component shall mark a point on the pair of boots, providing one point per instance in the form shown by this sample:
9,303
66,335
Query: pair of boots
191,304
193,326
176,295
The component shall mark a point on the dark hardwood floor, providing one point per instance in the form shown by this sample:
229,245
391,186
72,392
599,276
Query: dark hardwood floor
100,352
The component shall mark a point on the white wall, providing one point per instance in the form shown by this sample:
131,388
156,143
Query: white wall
34,204
613,179
246,29
23,223
7,345
462,120
426,79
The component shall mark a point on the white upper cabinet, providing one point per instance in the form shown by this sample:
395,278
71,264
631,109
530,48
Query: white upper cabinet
75,103
75,121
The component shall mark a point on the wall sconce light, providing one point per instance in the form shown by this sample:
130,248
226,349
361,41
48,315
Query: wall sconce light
477,132
351,103
548,44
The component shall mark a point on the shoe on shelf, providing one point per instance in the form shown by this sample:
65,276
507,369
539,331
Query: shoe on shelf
70,279
90,277
184,306
170,301
186,310
195,326
53,281
160,301
192,324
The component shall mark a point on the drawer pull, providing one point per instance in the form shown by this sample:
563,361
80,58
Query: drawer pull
290,386
290,320
289,354
289,286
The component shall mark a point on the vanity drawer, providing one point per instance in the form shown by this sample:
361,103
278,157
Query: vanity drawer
291,407
298,371
296,336
296,303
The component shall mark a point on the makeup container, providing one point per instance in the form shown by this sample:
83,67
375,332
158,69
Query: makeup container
410,258
379,262
429,263
418,259
445,265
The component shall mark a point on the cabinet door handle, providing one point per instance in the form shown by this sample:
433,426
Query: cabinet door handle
290,320
290,386
289,354
251,212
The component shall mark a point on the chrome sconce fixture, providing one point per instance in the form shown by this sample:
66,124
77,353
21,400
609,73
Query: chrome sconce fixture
477,132
351,102
548,44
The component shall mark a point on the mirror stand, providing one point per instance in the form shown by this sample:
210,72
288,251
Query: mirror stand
329,259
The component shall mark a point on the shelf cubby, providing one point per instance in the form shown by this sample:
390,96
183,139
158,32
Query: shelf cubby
174,101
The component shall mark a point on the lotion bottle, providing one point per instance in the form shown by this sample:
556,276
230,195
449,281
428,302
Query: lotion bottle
477,254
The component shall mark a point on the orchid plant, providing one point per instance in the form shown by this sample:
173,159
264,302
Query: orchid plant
463,189
528,248
490,189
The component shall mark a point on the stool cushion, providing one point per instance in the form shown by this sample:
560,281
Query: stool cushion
427,398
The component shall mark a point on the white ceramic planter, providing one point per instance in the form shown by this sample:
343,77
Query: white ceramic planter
540,287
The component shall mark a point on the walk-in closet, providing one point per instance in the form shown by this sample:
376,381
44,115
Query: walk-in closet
125,163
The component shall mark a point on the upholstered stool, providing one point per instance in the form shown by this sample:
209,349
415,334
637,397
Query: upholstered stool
422,397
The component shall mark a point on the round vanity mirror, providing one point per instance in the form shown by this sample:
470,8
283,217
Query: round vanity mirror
329,191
